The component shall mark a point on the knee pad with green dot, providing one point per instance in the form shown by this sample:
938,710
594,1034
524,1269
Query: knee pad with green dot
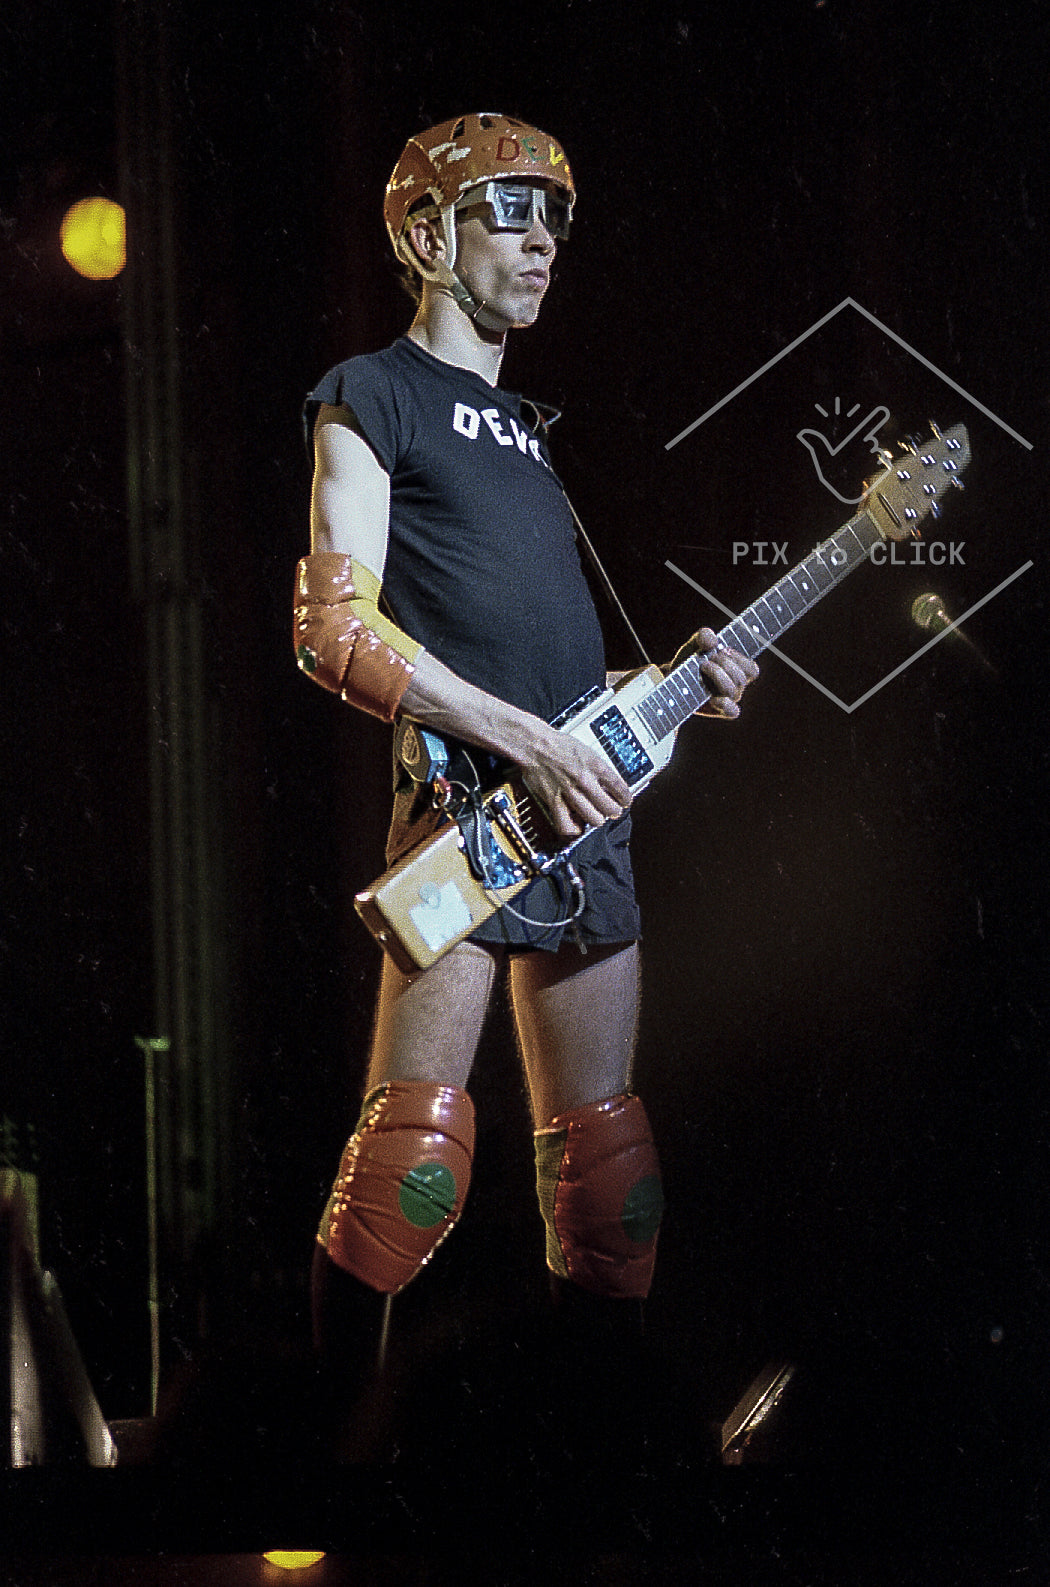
402,1182
598,1179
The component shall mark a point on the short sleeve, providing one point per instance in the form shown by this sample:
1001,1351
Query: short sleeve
365,387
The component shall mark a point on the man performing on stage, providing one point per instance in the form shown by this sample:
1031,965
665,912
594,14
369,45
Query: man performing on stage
434,486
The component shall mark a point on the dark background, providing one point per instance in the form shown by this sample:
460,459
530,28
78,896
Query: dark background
842,1044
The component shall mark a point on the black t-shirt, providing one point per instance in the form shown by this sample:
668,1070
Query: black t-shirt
482,567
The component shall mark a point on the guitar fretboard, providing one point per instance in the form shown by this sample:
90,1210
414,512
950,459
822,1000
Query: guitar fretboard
685,689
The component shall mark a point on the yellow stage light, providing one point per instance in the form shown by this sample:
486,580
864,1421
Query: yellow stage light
93,238
292,1561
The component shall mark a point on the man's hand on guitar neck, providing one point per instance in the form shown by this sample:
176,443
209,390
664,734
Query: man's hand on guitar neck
726,671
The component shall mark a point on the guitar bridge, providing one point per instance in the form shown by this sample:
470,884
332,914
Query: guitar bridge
498,858
503,814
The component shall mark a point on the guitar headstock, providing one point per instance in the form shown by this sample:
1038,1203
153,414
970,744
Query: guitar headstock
913,484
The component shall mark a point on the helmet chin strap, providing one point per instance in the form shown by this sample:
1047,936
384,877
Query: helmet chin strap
443,271
476,312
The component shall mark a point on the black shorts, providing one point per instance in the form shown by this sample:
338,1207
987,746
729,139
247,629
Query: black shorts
539,916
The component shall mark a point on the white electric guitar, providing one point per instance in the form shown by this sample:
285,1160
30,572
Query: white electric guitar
497,840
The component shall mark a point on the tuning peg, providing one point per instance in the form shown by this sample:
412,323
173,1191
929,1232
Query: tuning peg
936,431
935,509
885,456
957,482
909,443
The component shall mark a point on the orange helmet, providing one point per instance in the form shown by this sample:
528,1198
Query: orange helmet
439,166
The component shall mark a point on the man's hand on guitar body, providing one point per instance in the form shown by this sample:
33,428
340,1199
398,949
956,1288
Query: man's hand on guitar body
576,785
726,670
579,788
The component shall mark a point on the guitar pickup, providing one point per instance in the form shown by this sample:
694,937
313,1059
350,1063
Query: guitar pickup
621,745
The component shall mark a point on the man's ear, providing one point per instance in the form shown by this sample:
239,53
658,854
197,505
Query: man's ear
426,241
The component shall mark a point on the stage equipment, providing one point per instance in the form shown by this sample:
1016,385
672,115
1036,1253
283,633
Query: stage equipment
747,1434
929,612
51,1410
93,238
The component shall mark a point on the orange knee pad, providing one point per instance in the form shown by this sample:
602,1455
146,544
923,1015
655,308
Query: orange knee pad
598,1178
402,1182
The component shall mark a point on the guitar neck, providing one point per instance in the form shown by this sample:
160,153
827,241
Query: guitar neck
685,689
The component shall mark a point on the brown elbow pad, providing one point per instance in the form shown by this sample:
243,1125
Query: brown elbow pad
343,641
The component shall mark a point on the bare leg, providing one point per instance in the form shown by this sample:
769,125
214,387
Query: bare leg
577,1020
428,1025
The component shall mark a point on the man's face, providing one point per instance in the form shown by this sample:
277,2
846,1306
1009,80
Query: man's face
508,271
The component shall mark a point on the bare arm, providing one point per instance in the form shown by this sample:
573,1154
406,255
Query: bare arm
349,514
